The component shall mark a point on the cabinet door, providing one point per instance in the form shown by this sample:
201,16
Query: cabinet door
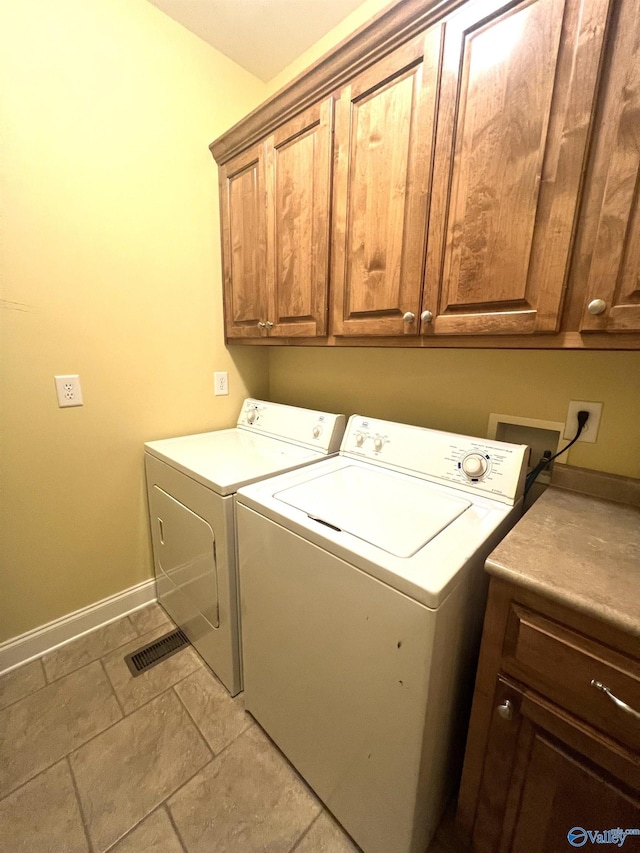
298,193
614,274
517,93
244,238
383,139
546,774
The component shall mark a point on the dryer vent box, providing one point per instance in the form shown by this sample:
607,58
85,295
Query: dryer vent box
539,435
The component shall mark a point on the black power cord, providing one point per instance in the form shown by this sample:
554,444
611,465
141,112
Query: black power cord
583,417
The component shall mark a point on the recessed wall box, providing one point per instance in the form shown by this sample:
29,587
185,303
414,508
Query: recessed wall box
538,434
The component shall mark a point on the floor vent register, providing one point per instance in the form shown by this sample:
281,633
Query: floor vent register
155,652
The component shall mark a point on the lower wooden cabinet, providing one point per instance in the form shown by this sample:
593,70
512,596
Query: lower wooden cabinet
544,764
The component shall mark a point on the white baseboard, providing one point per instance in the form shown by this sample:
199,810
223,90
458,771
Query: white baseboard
35,643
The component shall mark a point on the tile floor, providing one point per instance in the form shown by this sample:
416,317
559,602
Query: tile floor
92,759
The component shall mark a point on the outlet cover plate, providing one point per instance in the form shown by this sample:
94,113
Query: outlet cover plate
68,390
590,432
220,383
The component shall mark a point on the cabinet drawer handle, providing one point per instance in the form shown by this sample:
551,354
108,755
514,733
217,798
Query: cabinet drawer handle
426,316
618,702
262,325
409,317
506,710
269,324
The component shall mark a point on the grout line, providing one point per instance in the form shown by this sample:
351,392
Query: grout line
197,727
99,656
113,689
304,833
83,818
186,782
26,696
167,810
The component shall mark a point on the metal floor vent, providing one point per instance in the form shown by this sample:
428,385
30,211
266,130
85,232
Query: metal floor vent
155,652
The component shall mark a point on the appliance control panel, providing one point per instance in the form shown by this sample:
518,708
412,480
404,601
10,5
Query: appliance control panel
320,431
493,468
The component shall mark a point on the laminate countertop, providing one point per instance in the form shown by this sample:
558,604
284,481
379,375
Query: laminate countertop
578,550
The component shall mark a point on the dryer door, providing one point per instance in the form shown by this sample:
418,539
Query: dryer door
186,552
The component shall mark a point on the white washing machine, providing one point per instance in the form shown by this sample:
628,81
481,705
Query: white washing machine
362,596
191,485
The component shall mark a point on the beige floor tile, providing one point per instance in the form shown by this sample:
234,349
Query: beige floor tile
219,717
149,618
155,833
326,836
134,692
248,799
43,816
43,727
21,682
92,646
126,772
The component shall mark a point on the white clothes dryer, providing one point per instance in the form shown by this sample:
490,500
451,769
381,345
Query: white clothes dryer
191,486
362,594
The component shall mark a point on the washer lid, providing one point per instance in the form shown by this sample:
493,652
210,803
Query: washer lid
396,513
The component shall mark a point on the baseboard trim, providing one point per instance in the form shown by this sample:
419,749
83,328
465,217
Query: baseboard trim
39,641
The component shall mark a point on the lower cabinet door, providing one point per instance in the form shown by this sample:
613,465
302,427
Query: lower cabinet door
550,782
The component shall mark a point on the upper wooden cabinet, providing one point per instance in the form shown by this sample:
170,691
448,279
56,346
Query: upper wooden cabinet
275,231
244,238
613,207
383,143
454,174
516,96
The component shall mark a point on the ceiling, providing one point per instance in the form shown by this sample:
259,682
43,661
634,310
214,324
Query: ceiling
263,36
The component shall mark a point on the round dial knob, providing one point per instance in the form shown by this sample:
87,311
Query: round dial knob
474,465
251,416
359,439
316,431
377,443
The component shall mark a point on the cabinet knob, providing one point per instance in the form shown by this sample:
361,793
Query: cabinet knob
597,306
426,316
269,324
506,710
409,317
262,325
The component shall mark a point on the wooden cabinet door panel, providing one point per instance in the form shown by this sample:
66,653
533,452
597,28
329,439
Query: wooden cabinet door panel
298,193
517,92
383,145
537,783
614,274
244,237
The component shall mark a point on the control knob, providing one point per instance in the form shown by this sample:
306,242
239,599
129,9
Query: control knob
317,430
377,443
474,466
359,439
251,416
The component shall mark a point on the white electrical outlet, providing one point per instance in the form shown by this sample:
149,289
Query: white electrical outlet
590,431
68,390
220,383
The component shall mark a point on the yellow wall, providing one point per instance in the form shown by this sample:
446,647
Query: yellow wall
110,269
456,390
